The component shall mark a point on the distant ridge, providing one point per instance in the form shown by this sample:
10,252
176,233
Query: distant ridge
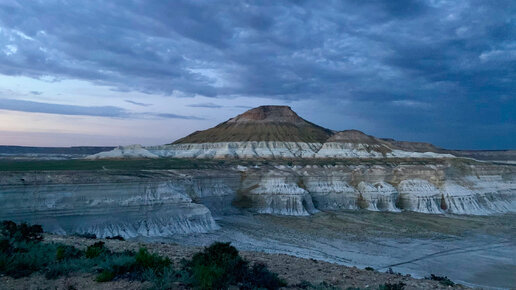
74,150
264,123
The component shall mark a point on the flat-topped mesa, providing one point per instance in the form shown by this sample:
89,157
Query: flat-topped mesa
269,114
274,132
265,123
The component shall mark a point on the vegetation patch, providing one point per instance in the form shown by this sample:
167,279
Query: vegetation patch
441,279
392,286
219,266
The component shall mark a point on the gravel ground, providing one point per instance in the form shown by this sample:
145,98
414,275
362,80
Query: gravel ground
292,269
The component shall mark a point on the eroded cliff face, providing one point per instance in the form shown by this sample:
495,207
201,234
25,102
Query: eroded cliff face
108,204
445,188
169,202
263,149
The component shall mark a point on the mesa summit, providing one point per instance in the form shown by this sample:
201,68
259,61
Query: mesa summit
273,132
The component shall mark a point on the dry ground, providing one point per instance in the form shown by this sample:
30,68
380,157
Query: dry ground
292,269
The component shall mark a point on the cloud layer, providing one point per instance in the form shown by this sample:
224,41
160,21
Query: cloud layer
74,110
440,66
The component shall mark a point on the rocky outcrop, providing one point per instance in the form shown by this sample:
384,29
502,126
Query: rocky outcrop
131,151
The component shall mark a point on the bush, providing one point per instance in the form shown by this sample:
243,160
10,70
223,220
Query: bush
140,266
67,266
118,237
369,268
389,286
86,236
259,276
166,279
22,232
27,258
442,279
5,246
321,286
105,276
95,250
218,266
64,252
145,260
119,264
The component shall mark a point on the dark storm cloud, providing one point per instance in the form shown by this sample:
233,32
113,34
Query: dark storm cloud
74,110
443,65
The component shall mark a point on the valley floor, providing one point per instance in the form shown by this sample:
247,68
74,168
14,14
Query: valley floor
478,251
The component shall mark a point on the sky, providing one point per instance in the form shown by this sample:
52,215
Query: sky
149,72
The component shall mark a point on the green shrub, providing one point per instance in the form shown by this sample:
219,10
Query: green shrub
105,276
209,277
389,286
145,260
67,266
28,258
442,279
5,246
22,232
95,250
259,276
118,237
119,264
65,252
369,268
165,280
218,266
86,236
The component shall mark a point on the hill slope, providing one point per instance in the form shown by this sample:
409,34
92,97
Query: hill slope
265,123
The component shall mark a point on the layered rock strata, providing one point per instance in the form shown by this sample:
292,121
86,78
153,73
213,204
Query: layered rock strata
169,202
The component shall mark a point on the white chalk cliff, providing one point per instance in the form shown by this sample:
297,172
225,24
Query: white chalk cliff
170,202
